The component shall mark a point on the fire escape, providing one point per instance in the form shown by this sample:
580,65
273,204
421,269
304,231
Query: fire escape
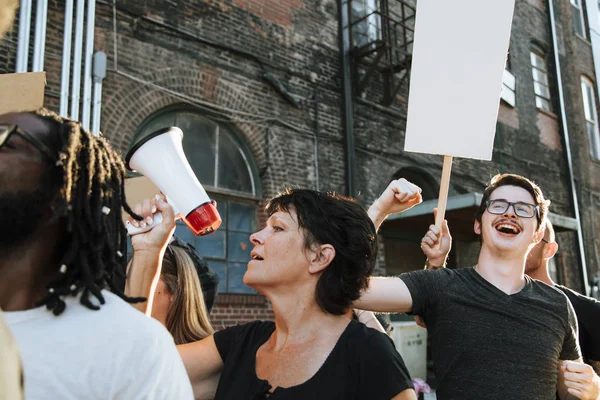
381,38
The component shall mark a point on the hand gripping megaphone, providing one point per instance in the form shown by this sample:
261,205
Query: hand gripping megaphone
160,157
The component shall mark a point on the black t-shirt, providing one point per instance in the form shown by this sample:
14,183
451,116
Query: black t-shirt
587,310
490,345
362,365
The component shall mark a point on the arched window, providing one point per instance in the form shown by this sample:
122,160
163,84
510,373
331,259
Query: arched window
223,164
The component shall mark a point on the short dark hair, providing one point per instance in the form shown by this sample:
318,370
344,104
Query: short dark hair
519,181
328,218
89,181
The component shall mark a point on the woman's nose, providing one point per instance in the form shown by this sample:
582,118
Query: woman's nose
256,237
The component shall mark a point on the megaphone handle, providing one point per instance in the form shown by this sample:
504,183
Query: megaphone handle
132,230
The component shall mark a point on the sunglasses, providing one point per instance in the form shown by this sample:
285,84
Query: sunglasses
7,130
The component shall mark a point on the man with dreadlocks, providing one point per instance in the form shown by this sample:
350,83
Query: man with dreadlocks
62,246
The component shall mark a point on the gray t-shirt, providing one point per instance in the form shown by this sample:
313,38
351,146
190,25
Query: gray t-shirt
490,345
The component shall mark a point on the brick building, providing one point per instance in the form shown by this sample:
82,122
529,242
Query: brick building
266,99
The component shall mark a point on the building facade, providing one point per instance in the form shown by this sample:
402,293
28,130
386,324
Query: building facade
267,99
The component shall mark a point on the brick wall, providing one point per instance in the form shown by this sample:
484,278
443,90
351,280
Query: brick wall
211,55
234,309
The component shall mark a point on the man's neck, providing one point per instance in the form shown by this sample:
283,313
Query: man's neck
24,272
505,271
541,274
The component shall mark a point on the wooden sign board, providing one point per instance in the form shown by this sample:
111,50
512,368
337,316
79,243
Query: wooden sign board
138,189
22,91
459,55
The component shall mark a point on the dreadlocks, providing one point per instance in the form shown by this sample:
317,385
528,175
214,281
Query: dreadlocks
89,176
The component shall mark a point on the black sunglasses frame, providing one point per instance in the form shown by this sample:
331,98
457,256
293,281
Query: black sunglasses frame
35,142
513,204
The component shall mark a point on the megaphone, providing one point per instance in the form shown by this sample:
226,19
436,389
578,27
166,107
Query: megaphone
160,157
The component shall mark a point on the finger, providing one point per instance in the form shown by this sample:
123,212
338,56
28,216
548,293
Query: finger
428,241
577,393
434,238
137,210
147,211
445,229
435,230
166,209
573,366
575,377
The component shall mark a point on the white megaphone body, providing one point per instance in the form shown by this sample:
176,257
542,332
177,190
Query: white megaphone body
160,157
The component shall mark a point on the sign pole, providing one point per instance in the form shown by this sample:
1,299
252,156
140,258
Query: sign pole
444,186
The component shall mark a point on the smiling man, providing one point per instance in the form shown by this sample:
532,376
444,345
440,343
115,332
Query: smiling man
496,333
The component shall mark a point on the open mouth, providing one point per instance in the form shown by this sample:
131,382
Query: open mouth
256,257
508,228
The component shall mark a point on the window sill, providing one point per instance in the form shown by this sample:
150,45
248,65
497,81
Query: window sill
240,299
548,113
583,39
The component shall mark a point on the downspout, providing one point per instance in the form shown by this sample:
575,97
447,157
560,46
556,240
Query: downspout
347,112
99,74
76,85
66,59
89,56
316,128
39,47
563,118
24,29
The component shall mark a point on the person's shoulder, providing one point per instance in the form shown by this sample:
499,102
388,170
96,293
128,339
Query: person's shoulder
551,293
122,319
580,300
254,328
364,337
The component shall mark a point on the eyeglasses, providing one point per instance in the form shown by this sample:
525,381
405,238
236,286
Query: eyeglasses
523,210
545,241
7,130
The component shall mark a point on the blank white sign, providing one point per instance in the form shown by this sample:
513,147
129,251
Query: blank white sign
459,54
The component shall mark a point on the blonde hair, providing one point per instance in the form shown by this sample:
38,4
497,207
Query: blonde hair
187,317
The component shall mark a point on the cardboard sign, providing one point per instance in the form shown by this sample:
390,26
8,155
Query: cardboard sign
22,91
138,189
459,55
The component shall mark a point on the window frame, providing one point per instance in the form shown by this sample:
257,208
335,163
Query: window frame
590,111
540,98
372,17
577,11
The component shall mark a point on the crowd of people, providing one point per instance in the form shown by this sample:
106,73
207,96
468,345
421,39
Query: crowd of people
501,329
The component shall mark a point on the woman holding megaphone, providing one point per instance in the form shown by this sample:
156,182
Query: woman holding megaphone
311,260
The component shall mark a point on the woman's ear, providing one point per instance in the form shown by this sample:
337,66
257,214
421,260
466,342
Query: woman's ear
321,257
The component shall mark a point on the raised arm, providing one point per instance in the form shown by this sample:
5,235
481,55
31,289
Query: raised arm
148,251
203,364
400,195
385,295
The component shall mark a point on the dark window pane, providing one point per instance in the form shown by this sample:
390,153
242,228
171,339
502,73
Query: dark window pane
184,233
236,278
162,121
239,247
199,144
242,217
213,245
233,168
222,205
220,268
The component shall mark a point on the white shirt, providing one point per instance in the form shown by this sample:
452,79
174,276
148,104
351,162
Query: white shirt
116,352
